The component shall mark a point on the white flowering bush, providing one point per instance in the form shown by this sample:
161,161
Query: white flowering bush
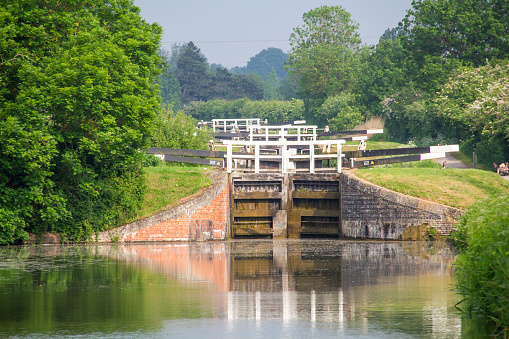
476,101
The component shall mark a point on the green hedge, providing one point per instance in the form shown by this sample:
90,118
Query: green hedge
273,111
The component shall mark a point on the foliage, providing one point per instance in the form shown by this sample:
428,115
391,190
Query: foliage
384,71
169,87
273,111
272,87
475,103
443,34
77,92
228,86
482,268
199,82
263,63
323,55
325,25
289,88
178,130
192,75
26,190
325,70
340,112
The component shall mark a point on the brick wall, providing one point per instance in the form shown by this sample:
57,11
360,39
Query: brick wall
372,212
203,216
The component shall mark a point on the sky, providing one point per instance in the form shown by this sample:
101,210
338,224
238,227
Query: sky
230,32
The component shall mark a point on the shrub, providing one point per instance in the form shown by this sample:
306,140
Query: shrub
341,112
483,266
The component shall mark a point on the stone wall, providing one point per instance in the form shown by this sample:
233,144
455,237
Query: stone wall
200,217
373,212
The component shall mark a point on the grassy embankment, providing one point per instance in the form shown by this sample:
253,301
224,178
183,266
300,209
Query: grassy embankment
167,184
459,188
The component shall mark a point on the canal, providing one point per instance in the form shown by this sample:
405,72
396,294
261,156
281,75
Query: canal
235,289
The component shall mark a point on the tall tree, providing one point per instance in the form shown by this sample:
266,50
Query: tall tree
325,25
323,57
169,86
77,100
192,73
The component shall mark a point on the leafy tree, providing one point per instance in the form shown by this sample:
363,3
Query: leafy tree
225,85
289,88
325,25
444,34
77,89
384,72
392,33
323,55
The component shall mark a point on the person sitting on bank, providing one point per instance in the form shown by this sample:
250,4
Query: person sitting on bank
502,168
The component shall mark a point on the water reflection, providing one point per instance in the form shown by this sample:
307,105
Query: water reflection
282,288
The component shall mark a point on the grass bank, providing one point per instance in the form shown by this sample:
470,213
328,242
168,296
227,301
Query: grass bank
167,184
459,188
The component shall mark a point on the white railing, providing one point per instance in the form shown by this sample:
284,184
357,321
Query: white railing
282,132
285,153
227,124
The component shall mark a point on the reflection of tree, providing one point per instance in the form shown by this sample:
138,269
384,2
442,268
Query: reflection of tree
76,288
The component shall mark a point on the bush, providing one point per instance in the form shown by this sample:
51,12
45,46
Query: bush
341,112
482,268
178,130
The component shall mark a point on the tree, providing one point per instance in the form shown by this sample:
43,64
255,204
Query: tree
392,33
324,26
77,97
272,86
169,87
178,130
445,34
192,74
323,55
264,62
384,71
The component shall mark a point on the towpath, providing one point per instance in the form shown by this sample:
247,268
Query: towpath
452,162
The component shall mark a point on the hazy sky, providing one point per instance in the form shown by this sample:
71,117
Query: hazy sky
230,32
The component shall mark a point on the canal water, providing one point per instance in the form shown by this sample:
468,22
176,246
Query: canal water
236,289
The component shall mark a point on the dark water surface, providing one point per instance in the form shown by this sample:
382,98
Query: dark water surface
237,289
